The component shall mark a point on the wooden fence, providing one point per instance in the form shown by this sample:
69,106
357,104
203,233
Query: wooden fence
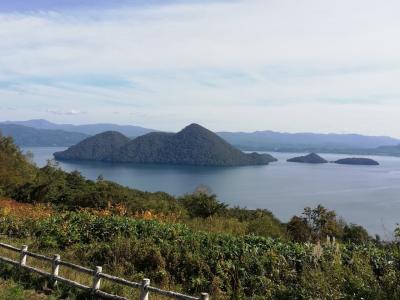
96,273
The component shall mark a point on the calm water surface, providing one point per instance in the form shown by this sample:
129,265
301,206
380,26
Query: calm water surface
366,195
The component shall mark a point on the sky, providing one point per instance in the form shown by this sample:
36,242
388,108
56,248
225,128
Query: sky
239,65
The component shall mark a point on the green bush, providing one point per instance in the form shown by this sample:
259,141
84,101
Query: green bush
266,226
355,233
202,205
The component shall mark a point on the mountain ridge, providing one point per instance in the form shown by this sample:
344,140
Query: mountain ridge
88,129
266,140
272,141
32,137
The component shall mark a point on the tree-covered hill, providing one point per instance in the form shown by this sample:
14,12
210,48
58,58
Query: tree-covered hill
100,147
194,145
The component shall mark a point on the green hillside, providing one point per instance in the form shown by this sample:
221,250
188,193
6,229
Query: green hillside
100,147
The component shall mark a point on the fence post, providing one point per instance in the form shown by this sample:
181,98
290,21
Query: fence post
204,296
144,293
23,255
96,279
55,266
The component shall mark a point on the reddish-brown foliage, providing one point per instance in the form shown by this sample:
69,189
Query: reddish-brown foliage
20,210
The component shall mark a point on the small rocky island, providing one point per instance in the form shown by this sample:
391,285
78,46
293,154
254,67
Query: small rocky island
193,145
311,158
357,161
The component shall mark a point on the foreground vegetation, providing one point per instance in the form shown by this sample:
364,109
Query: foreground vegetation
194,243
173,255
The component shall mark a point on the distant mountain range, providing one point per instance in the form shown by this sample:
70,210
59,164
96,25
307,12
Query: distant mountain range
250,141
305,142
388,150
193,145
87,129
32,137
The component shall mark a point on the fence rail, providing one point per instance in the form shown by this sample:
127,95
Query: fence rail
97,276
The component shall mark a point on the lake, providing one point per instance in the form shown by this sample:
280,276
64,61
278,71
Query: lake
365,195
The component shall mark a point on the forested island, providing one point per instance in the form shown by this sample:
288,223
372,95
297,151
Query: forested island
314,158
357,161
193,145
311,158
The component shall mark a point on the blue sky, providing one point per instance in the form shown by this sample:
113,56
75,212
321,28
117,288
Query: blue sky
59,5
243,65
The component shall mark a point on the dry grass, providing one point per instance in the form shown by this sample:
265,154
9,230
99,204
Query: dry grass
24,211
120,209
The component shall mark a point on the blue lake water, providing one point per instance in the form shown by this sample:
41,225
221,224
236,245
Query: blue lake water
365,195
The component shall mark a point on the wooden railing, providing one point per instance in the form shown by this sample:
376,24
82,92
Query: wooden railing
96,274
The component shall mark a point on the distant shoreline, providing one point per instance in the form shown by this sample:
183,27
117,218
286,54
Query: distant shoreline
305,151
294,151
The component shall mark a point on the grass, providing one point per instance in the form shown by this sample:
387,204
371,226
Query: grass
12,290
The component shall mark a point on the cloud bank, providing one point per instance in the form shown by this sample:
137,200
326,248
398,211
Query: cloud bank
231,65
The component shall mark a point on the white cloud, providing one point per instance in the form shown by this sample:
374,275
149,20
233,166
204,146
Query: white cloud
69,112
282,62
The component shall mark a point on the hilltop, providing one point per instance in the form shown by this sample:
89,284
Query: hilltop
193,145
99,147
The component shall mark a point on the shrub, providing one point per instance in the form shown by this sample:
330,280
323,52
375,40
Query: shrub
355,233
202,205
265,225
299,229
